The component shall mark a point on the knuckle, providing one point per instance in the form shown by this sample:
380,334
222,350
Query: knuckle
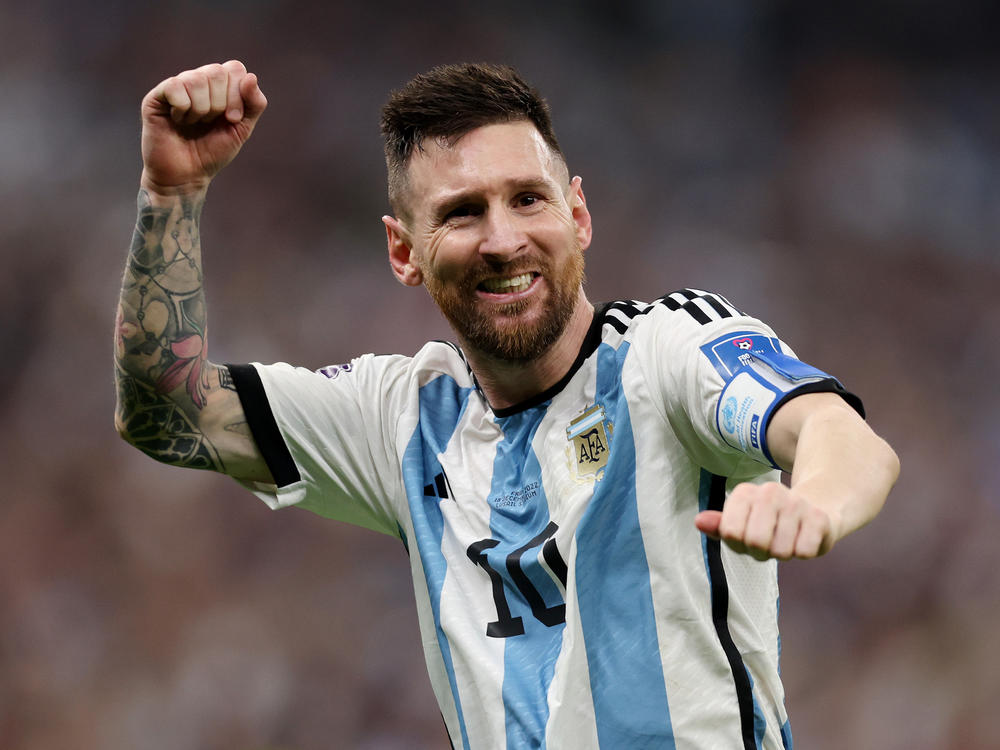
770,500
728,528
211,69
190,77
817,518
174,93
738,500
782,549
171,87
807,546
775,493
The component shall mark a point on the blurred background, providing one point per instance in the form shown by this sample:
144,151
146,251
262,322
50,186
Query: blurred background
833,168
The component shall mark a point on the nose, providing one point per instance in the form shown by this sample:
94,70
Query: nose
503,238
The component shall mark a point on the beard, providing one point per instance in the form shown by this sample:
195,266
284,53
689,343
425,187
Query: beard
497,329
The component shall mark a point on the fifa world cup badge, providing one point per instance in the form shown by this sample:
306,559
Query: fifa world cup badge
589,437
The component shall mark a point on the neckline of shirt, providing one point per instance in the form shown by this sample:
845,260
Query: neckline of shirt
590,343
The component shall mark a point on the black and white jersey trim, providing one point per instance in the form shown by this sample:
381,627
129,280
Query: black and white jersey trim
263,425
703,306
619,314
720,618
700,305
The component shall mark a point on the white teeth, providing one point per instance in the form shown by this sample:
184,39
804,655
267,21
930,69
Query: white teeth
513,284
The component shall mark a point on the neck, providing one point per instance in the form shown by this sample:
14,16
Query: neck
506,383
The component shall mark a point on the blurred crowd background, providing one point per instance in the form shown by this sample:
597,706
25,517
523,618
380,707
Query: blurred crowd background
833,168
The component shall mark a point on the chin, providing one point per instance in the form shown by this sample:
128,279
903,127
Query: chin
514,337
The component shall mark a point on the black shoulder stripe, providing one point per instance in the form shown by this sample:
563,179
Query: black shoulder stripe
704,307
619,314
694,310
263,425
669,302
716,304
619,325
628,307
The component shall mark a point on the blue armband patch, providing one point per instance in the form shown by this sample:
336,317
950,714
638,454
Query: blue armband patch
756,376
733,351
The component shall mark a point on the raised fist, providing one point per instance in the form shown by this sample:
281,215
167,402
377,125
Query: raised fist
194,124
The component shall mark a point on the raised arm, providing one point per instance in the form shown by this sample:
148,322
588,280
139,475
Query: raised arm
841,475
173,404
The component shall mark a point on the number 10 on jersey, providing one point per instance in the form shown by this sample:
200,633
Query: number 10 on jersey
506,625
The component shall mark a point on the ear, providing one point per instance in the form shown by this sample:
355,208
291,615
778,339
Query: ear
581,215
401,258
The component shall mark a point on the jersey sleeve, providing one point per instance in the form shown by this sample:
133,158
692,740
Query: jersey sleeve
721,375
327,436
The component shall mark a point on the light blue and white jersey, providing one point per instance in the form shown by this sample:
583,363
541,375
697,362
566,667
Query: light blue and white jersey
565,598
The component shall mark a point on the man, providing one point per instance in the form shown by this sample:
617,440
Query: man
589,497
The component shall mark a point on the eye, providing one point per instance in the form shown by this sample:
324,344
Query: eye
463,211
527,200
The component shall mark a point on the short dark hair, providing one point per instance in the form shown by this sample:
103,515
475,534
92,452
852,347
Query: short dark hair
449,101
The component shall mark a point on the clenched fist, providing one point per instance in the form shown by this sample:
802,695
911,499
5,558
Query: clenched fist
194,124
770,520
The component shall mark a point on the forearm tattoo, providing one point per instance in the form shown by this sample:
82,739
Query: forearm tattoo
160,337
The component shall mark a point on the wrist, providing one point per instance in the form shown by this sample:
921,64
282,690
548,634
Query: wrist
167,194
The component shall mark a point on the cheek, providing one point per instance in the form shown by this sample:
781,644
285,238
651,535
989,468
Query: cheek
446,255
560,237
559,224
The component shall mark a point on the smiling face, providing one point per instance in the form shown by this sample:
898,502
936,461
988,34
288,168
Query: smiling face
496,232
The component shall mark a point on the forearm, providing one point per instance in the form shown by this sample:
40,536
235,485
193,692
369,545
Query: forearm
160,349
843,468
841,475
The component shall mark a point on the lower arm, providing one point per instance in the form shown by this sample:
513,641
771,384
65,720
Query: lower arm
160,336
843,467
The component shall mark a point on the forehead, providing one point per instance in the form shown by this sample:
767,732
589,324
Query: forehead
483,159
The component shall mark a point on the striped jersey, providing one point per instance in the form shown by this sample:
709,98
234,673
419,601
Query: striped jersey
565,597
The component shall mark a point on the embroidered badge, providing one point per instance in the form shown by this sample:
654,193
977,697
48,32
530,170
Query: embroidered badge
589,437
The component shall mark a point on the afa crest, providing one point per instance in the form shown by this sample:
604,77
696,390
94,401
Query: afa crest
589,437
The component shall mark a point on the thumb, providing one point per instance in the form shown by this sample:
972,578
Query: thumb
254,101
707,522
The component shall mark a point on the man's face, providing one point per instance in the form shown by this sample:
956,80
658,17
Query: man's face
496,233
